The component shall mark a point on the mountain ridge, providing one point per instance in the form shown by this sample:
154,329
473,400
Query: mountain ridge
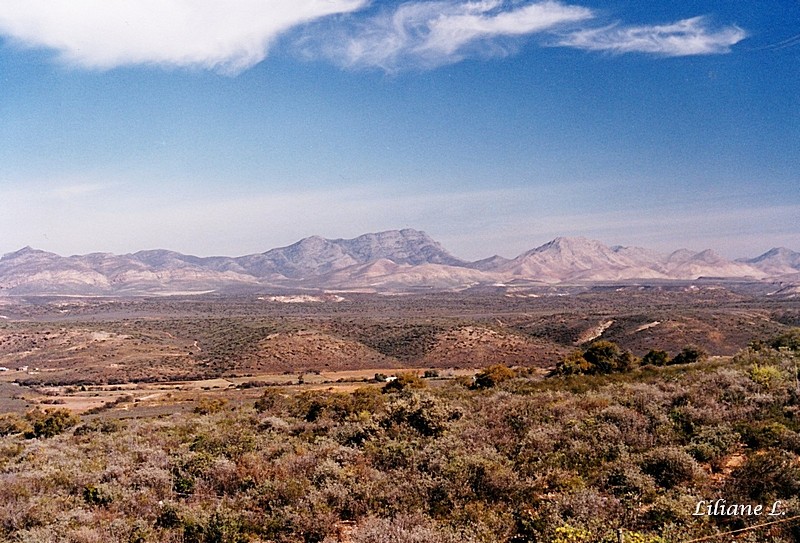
392,260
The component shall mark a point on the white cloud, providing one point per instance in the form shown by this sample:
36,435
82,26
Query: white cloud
430,34
687,37
233,35
229,35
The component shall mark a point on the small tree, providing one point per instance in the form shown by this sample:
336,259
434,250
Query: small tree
690,355
607,357
655,358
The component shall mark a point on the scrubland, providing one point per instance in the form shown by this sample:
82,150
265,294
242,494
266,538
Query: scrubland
505,457
232,421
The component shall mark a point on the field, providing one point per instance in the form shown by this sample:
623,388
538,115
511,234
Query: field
233,419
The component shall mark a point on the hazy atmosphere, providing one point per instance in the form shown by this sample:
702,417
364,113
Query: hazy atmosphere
232,128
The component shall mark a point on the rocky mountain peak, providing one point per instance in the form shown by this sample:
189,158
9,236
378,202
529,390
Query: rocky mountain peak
407,246
392,259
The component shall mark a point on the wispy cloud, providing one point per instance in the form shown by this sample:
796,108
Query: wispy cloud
229,35
687,37
431,34
233,35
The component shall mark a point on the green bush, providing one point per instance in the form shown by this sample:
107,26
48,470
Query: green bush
600,358
690,354
50,423
712,443
655,358
493,376
106,426
788,340
404,381
168,517
628,483
765,375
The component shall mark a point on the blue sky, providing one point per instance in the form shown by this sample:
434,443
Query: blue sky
235,126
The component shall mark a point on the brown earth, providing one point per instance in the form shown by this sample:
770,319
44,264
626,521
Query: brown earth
94,341
91,355
476,346
309,350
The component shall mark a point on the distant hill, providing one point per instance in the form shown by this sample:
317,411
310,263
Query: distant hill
776,262
395,260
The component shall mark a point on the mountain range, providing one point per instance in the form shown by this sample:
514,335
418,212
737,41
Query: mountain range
395,260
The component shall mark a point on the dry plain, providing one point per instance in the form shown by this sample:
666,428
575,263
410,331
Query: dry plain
156,355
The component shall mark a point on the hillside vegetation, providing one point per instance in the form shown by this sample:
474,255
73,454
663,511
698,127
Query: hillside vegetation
506,458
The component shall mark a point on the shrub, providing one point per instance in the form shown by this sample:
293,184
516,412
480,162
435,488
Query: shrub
224,527
310,405
105,426
671,510
403,529
670,467
712,443
689,355
208,406
96,496
13,424
632,425
368,399
764,375
50,423
493,376
655,358
571,534
168,517
425,414
762,435
789,340
574,364
601,357
766,475
269,399
634,537
404,381
628,483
